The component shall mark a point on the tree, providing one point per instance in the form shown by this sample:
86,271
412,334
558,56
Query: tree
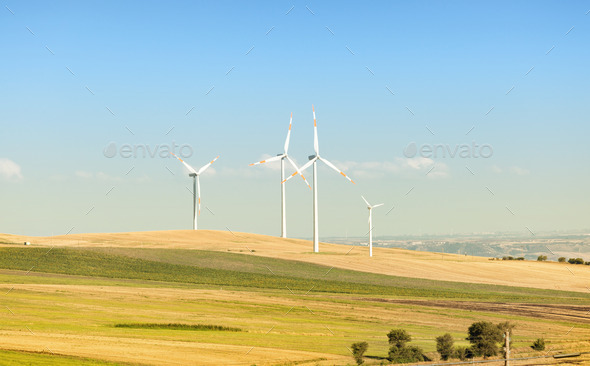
576,261
561,259
405,354
506,327
445,346
484,338
463,353
398,337
539,344
542,258
358,350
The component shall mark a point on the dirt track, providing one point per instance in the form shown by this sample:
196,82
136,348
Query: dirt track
564,312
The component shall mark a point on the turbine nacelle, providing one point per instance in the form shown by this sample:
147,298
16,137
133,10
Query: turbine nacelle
196,186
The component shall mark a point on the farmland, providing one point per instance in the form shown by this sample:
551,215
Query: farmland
101,304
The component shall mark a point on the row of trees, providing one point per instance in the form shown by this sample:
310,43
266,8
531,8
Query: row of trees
485,339
543,258
399,350
573,261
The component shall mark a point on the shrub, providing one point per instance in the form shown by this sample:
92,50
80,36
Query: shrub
405,354
484,338
539,344
576,261
542,258
520,258
561,259
358,350
398,337
445,346
177,326
463,353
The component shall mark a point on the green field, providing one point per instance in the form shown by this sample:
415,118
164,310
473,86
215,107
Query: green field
20,358
231,269
166,301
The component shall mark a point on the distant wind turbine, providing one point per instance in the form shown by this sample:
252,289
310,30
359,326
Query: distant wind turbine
370,224
282,158
313,160
196,186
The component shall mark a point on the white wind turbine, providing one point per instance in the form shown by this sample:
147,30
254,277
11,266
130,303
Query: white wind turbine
282,158
196,186
313,160
371,224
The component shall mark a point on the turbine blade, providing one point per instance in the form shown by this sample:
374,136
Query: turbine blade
307,165
381,204
297,170
288,134
190,168
274,158
207,165
368,204
199,195
336,169
316,145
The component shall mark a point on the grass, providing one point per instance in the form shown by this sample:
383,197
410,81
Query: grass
137,300
19,358
194,267
177,326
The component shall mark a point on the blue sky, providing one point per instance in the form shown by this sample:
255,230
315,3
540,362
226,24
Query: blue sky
223,79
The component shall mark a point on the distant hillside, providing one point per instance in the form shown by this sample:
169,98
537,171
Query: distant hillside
396,262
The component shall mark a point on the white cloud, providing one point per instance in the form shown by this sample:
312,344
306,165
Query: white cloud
83,174
9,170
519,171
100,175
402,166
513,169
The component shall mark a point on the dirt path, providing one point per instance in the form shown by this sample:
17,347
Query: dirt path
564,312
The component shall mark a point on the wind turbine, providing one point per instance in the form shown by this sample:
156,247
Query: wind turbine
282,158
196,186
371,224
313,160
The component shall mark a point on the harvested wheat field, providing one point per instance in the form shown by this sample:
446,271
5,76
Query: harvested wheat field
221,298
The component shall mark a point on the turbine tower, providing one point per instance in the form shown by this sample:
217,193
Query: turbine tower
196,186
282,158
370,224
313,160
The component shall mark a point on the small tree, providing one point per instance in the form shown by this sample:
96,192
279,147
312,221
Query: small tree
539,344
542,258
484,338
506,327
561,259
358,350
445,346
463,353
398,337
405,354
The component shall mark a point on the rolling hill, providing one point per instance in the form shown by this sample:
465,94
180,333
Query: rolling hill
388,261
